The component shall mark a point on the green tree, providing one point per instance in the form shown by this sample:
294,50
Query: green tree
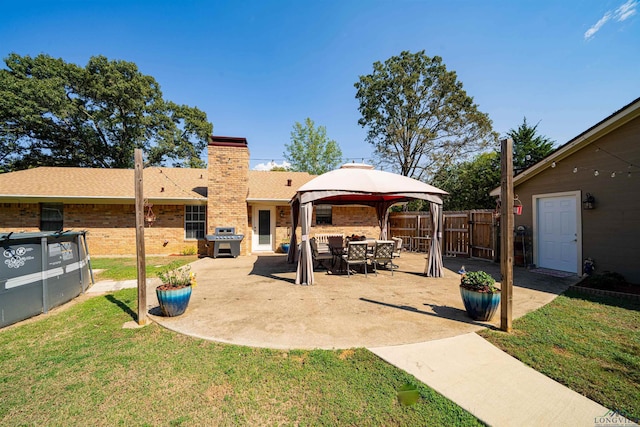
469,182
528,148
55,113
311,150
418,116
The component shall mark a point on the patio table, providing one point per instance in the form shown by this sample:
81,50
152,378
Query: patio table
420,244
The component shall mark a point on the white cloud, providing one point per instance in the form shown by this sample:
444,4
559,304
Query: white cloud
627,10
622,13
594,29
270,165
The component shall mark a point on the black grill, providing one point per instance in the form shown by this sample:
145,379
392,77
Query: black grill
225,241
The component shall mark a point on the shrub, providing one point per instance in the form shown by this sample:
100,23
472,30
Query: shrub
606,279
189,250
479,281
177,277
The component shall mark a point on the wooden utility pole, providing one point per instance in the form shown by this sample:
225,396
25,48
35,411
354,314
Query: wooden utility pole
140,252
506,234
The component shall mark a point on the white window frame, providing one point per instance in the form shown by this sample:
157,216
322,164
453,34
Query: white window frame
201,212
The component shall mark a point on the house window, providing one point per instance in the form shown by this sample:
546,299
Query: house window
51,217
195,220
323,214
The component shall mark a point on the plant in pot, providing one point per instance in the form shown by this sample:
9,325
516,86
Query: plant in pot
284,246
175,291
479,294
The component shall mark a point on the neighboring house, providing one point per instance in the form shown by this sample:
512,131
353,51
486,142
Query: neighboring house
602,163
182,205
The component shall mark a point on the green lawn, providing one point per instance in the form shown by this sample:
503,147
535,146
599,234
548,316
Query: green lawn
589,343
126,268
80,367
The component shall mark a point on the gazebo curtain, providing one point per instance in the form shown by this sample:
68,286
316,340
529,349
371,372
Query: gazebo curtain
434,263
292,256
382,210
304,273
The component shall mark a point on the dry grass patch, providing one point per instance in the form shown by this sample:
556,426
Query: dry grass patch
219,392
346,354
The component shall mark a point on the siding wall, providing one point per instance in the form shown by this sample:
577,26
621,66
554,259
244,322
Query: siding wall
111,228
348,220
19,217
359,220
611,231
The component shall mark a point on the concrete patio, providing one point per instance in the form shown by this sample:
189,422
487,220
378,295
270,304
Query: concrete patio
413,322
253,301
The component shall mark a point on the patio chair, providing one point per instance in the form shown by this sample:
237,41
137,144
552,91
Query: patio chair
319,258
382,254
357,255
396,250
336,246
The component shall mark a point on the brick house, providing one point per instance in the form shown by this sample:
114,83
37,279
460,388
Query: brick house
181,205
581,202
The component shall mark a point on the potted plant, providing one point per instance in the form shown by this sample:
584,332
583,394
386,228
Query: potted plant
175,291
284,246
479,294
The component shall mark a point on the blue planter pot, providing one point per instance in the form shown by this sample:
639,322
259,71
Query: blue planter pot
173,302
284,247
480,305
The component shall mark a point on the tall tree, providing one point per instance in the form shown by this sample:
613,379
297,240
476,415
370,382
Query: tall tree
469,183
59,114
311,150
528,148
419,118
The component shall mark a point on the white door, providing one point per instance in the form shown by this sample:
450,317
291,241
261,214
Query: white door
263,224
557,233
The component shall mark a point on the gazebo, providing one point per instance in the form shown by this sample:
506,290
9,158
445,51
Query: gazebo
361,184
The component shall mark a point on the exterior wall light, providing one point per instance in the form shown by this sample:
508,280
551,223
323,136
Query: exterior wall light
589,202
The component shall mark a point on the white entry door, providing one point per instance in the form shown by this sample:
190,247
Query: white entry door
557,232
263,224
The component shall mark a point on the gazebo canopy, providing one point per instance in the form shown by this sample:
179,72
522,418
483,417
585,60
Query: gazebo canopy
357,183
360,184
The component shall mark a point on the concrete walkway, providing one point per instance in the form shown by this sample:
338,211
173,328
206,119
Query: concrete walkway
415,323
490,384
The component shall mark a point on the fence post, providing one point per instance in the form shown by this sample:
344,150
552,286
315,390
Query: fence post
470,219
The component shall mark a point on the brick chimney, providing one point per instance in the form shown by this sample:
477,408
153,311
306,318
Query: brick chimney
228,186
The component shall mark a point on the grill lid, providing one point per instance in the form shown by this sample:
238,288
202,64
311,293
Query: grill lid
225,230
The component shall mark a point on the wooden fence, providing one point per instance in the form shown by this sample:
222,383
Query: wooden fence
466,234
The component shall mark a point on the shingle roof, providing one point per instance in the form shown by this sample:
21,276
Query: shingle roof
267,185
175,184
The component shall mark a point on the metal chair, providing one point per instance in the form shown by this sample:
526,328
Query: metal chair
396,250
336,246
356,254
319,257
382,254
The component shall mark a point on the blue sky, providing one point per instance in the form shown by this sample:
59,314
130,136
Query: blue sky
256,67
